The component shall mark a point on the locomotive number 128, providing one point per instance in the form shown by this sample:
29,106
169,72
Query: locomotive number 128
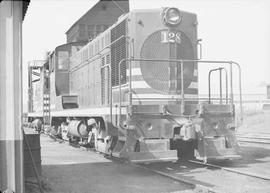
170,36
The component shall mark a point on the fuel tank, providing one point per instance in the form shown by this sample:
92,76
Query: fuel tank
77,128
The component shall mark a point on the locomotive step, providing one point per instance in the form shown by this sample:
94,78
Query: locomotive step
170,155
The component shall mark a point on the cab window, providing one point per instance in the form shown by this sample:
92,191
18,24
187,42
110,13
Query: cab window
63,59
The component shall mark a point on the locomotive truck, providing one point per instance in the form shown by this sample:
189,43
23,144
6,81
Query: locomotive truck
132,91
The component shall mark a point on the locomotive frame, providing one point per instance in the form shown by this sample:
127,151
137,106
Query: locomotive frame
143,129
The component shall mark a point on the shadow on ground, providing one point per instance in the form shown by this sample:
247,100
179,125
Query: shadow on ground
106,177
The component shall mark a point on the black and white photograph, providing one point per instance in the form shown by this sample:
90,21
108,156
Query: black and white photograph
134,96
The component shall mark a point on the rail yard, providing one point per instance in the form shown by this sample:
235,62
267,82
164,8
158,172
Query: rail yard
129,104
62,164
121,109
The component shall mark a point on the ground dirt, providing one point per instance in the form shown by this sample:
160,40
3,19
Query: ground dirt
66,169
256,122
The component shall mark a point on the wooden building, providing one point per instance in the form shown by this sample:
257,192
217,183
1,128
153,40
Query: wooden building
97,19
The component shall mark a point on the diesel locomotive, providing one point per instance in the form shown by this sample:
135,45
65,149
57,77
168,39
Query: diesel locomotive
132,92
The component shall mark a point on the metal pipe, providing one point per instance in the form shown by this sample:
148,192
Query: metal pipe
226,79
209,83
200,48
220,85
186,99
240,89
182,89
231,82
130,86
119,76
199,61
110,86
120,102
209,87
170,60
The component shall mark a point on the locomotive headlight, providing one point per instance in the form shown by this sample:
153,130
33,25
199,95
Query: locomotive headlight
172,16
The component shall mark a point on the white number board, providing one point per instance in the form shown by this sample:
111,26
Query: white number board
170,36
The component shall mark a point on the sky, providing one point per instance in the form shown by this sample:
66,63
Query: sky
237,30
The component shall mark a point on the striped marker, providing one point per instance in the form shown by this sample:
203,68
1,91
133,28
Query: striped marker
11,140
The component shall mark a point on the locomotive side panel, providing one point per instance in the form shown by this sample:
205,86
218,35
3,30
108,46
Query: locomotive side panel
86,83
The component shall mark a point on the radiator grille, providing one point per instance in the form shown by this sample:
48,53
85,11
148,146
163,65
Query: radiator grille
166,76
118,52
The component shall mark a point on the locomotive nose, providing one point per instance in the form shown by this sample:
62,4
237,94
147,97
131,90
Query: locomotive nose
167,45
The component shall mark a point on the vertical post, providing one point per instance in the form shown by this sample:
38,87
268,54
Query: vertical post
130,82
226,79
209,86
240,90
11,138
231,85
120,102
220,85
30,89
226,85
182,88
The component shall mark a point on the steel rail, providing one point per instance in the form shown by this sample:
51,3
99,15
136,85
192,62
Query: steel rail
193,184
256,140
232,170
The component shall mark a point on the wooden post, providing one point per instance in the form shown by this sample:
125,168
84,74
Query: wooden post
11,139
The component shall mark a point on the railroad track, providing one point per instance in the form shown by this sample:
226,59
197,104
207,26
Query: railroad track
202,184
174,170
254,138
259,176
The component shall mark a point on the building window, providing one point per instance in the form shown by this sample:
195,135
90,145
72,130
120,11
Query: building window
105,27
98,27
91,27
82,26
90,35
82,33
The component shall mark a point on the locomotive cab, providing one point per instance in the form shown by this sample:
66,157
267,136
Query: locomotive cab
59,64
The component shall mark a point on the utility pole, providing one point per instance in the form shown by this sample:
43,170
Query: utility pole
11,138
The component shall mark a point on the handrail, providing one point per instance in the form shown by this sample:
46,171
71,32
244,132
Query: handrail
130,60
110,86
220,83
182,88
240,88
